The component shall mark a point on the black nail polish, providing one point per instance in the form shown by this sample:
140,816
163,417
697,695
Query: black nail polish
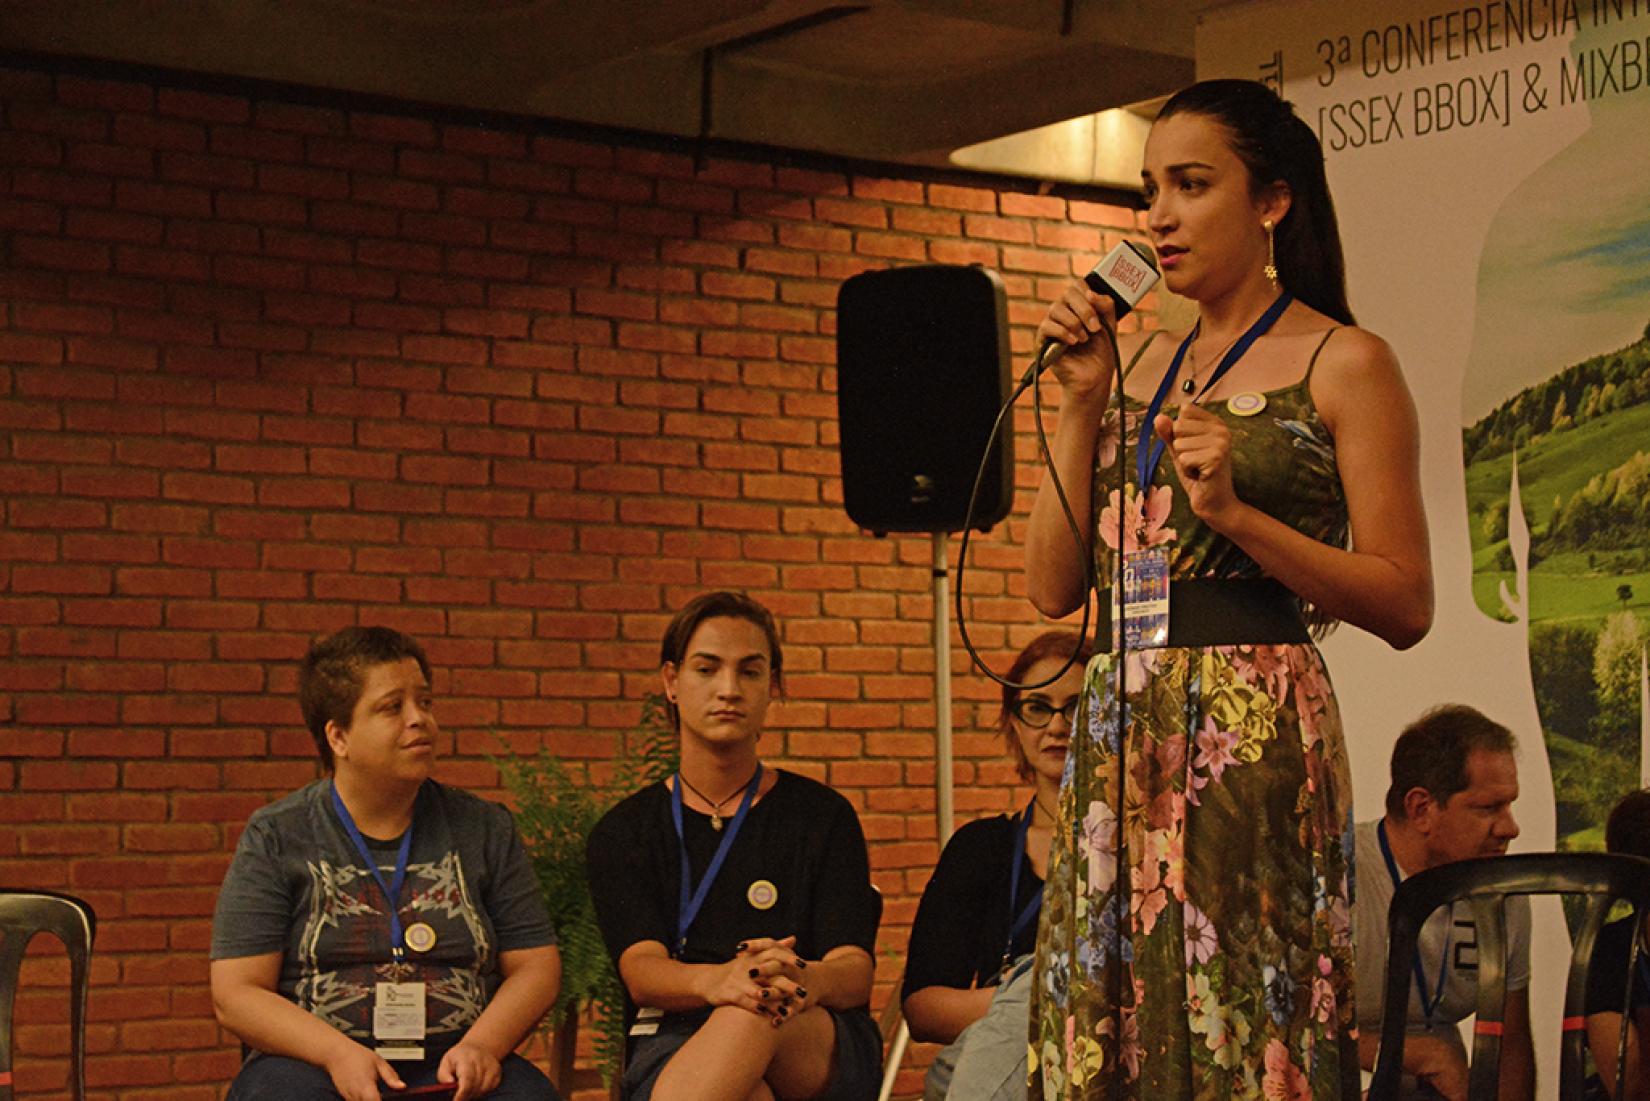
740,947
753,972
802,965
801,993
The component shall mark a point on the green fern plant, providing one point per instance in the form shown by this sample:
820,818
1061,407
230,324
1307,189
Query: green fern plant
555,812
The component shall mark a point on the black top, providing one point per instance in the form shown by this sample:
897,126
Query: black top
1607,971
802,838
963,919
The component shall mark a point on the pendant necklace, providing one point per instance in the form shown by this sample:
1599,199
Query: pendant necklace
716,805
1188,385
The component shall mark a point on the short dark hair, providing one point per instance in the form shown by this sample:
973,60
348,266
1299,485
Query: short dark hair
1628,828
1431,753
718,605
334,672
1050,644
1276,145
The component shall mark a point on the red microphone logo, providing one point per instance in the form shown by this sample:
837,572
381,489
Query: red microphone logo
1124,273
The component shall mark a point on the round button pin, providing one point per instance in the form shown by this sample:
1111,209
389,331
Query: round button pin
420,937
762,895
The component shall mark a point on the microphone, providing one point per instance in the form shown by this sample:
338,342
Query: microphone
1125,275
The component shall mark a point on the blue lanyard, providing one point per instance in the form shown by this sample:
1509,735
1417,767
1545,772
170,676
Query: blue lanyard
392,889
1036,901
1148,451
691,900
1428,1008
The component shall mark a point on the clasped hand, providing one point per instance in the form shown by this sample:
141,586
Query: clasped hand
765,977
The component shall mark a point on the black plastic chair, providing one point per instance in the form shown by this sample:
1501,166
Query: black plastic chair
22,915
1600,878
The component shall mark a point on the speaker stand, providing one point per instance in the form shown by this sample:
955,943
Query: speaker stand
942,686
943,811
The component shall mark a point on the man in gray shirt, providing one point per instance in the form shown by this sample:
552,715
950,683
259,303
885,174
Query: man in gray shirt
1454,780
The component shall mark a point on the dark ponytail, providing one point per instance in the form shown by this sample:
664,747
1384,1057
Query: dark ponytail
1275,145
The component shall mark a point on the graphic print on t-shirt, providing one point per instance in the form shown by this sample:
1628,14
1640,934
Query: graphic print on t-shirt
348,922
1464,956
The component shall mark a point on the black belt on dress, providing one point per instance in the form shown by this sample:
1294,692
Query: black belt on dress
1209,611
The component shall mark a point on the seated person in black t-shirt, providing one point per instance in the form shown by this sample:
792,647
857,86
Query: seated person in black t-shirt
978,915
736,899
1626,831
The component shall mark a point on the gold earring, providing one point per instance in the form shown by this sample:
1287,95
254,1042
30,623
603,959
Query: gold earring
1271,269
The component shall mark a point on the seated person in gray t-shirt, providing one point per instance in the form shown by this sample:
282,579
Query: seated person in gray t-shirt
1454,780
334,990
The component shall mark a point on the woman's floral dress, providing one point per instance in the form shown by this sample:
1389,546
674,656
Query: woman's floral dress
1237,958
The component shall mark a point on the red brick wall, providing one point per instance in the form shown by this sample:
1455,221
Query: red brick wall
268,368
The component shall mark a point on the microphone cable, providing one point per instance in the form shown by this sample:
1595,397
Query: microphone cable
1031,380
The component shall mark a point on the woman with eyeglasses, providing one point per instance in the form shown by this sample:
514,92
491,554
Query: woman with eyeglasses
969,958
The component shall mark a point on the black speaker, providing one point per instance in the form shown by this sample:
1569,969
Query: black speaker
922,369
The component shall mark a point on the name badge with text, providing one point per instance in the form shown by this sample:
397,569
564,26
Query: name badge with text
398,1019
1146,599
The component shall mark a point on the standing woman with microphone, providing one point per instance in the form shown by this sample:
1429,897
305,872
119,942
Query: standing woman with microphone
1210,954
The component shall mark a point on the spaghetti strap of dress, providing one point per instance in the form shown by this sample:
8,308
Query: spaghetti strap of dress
1140,351
1313,362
